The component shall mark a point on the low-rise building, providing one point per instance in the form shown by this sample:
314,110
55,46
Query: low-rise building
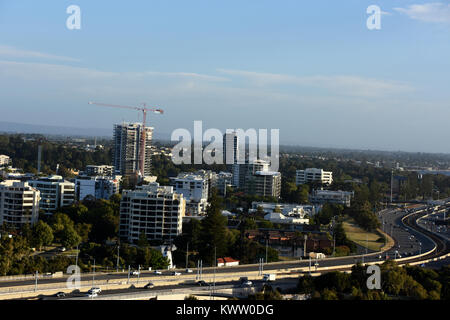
154,210
55,192
277,217
97,187
19,203
4,160
223,181
333,197
194,188
227,262
102,170
313,175
264,184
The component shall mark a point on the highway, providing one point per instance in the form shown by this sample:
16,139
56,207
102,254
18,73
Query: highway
397,223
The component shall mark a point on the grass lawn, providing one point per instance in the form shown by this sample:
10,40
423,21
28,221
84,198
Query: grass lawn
359,235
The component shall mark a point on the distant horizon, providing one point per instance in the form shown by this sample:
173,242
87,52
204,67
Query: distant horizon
165,137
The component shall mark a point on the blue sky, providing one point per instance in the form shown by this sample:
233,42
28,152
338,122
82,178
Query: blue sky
311,69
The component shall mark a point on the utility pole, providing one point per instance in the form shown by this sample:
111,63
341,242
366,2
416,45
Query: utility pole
266,249
76,259
139,273
187,252
392,182
309,265
117,264
215,264
128,281
93,275
35,284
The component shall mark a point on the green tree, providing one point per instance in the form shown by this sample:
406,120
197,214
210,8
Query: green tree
213,232
42,234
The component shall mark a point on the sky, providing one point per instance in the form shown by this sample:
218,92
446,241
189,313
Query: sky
311,69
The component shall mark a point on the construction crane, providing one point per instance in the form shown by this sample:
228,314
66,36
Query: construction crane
144,110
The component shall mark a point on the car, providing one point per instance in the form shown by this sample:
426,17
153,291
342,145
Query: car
189,271
149,286
62,249
95,290
175,273
247,283
136,273
202,283
157,272
91,295
60,294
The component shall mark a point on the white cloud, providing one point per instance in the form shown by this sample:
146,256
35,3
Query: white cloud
339,84
9,51
430,12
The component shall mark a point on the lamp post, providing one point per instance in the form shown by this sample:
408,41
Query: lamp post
117,264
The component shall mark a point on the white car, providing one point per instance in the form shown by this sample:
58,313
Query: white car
157,272
175,273
91,295
189,271
95,290
136,273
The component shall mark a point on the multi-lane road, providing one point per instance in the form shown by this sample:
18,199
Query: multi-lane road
410,240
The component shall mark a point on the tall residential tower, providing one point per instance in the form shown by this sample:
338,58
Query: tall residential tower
127,148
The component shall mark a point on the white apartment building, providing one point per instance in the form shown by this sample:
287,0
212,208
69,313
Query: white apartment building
19,203
313,175
287,209
4,160
102,170
192,186
98,187
55,192
333,197
194,189
157,211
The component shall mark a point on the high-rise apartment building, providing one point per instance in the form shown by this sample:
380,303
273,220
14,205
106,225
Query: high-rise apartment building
55,192
154,210
230,148
19,203
127,148
313,175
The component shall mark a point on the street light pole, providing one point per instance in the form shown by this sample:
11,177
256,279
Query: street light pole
35,284
117,264
76,259
93,275
215,264
187,252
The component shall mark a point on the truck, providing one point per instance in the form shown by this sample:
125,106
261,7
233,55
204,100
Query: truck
268,277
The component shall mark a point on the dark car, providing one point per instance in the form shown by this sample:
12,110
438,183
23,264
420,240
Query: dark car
201,283
60,295
149,286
